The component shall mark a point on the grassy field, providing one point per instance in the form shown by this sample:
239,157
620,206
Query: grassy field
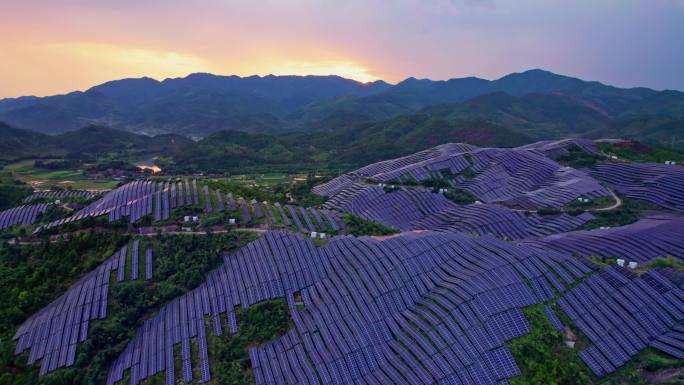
26,171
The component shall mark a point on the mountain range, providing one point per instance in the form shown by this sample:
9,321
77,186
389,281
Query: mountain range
535,103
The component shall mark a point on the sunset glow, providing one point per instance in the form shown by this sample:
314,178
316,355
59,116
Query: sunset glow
58,46
348,70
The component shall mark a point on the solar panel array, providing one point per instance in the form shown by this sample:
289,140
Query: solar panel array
434,304
621,313
418,166
59,195
676,276
657,183
418,307
145,197
523,177
304,220
481,219
21,215
527,179
554,149
132,199
420,209
52,334
658,235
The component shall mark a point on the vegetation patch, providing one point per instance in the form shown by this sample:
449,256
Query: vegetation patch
543,357
460,196
358,226
12,191
667,262
259,324
577,205
549,211
649,367
628,212
578,158
34,276
638,152
468,173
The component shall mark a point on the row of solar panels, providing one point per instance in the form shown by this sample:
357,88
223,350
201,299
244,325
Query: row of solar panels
362,293
53,333
653,182
21,215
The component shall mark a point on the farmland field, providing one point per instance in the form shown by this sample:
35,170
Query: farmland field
45,179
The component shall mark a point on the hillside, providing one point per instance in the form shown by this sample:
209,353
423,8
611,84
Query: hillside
414,94
17,143
495,287
540,116
654,129
536,103
343,148
195,105
84,143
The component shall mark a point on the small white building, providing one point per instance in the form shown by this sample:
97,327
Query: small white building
322,235
314,234
195,218
620,262
231,221
186,218
632,265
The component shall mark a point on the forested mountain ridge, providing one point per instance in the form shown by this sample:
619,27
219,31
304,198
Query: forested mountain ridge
537,103
194,105
86,142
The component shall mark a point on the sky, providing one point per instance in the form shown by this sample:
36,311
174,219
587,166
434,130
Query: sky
56,46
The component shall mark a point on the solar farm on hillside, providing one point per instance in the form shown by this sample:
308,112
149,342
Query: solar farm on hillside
479,236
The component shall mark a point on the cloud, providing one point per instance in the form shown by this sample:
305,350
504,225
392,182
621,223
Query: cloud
50,68
129,60
621,42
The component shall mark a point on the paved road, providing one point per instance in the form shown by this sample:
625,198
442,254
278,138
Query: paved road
618,203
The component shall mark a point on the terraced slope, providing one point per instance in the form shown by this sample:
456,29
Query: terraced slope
523,177
421,209
440,302
651,237
661,184
420,307
148,199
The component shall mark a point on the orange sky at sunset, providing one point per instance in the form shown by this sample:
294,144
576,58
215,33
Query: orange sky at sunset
59,46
